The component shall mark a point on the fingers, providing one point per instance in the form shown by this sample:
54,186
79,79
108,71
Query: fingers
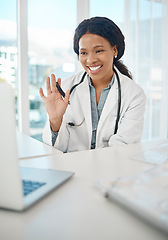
52,87
41,93
67,95
48,87
53,83
59,81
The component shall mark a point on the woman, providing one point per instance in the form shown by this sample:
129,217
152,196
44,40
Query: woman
95,118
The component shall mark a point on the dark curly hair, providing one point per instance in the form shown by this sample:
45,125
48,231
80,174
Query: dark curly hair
107,29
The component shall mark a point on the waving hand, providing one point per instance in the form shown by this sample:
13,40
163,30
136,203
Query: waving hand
55,104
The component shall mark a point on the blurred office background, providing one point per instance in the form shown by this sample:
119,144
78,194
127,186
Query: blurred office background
36,39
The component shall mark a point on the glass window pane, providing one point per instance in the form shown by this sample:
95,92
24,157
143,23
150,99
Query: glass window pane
142,24
8,43
51,27
113,9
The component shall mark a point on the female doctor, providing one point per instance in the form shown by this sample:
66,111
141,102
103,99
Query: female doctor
101,106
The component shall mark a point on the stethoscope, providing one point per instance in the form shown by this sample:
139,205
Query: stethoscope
119,98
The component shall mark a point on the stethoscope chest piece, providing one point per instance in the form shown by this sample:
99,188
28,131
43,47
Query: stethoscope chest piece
72,124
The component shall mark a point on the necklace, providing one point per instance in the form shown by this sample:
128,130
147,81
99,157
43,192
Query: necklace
98,92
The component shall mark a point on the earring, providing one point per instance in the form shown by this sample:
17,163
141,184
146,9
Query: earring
115,56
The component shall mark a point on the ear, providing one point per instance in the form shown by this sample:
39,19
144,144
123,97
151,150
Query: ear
115,50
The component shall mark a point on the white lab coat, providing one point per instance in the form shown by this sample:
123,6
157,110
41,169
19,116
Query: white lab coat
76,138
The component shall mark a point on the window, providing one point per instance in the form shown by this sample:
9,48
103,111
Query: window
51,27
8,42
50,36
144,24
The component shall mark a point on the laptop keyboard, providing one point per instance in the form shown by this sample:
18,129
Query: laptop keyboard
30,186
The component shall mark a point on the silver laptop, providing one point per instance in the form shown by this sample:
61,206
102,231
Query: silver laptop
20,187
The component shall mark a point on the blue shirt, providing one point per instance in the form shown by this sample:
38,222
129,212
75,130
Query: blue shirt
95,110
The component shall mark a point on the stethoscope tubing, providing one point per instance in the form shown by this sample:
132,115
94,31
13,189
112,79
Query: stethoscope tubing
119,102
119,95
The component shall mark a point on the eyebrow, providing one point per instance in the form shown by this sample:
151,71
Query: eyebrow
93,47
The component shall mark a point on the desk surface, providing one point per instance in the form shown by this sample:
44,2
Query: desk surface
77,210
29,147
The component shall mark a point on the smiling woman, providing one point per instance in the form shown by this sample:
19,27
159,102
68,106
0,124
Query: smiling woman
104,95
96,56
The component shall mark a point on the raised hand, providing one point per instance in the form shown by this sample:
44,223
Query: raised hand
55,104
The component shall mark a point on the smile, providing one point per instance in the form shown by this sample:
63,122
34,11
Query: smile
94,69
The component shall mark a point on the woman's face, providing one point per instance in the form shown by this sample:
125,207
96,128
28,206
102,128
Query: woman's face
96,56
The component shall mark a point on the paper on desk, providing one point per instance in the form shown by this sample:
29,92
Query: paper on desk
145,194
156,155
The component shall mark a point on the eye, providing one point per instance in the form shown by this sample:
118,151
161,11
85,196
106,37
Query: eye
99,51
83,53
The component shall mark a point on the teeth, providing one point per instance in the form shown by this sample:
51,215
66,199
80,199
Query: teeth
94,68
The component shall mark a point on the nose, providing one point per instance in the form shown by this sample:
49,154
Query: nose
91,58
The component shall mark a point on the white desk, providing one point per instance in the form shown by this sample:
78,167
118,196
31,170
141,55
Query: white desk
77,210
29,147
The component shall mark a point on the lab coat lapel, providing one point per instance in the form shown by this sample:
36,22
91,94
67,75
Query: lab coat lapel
84,99
110,103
